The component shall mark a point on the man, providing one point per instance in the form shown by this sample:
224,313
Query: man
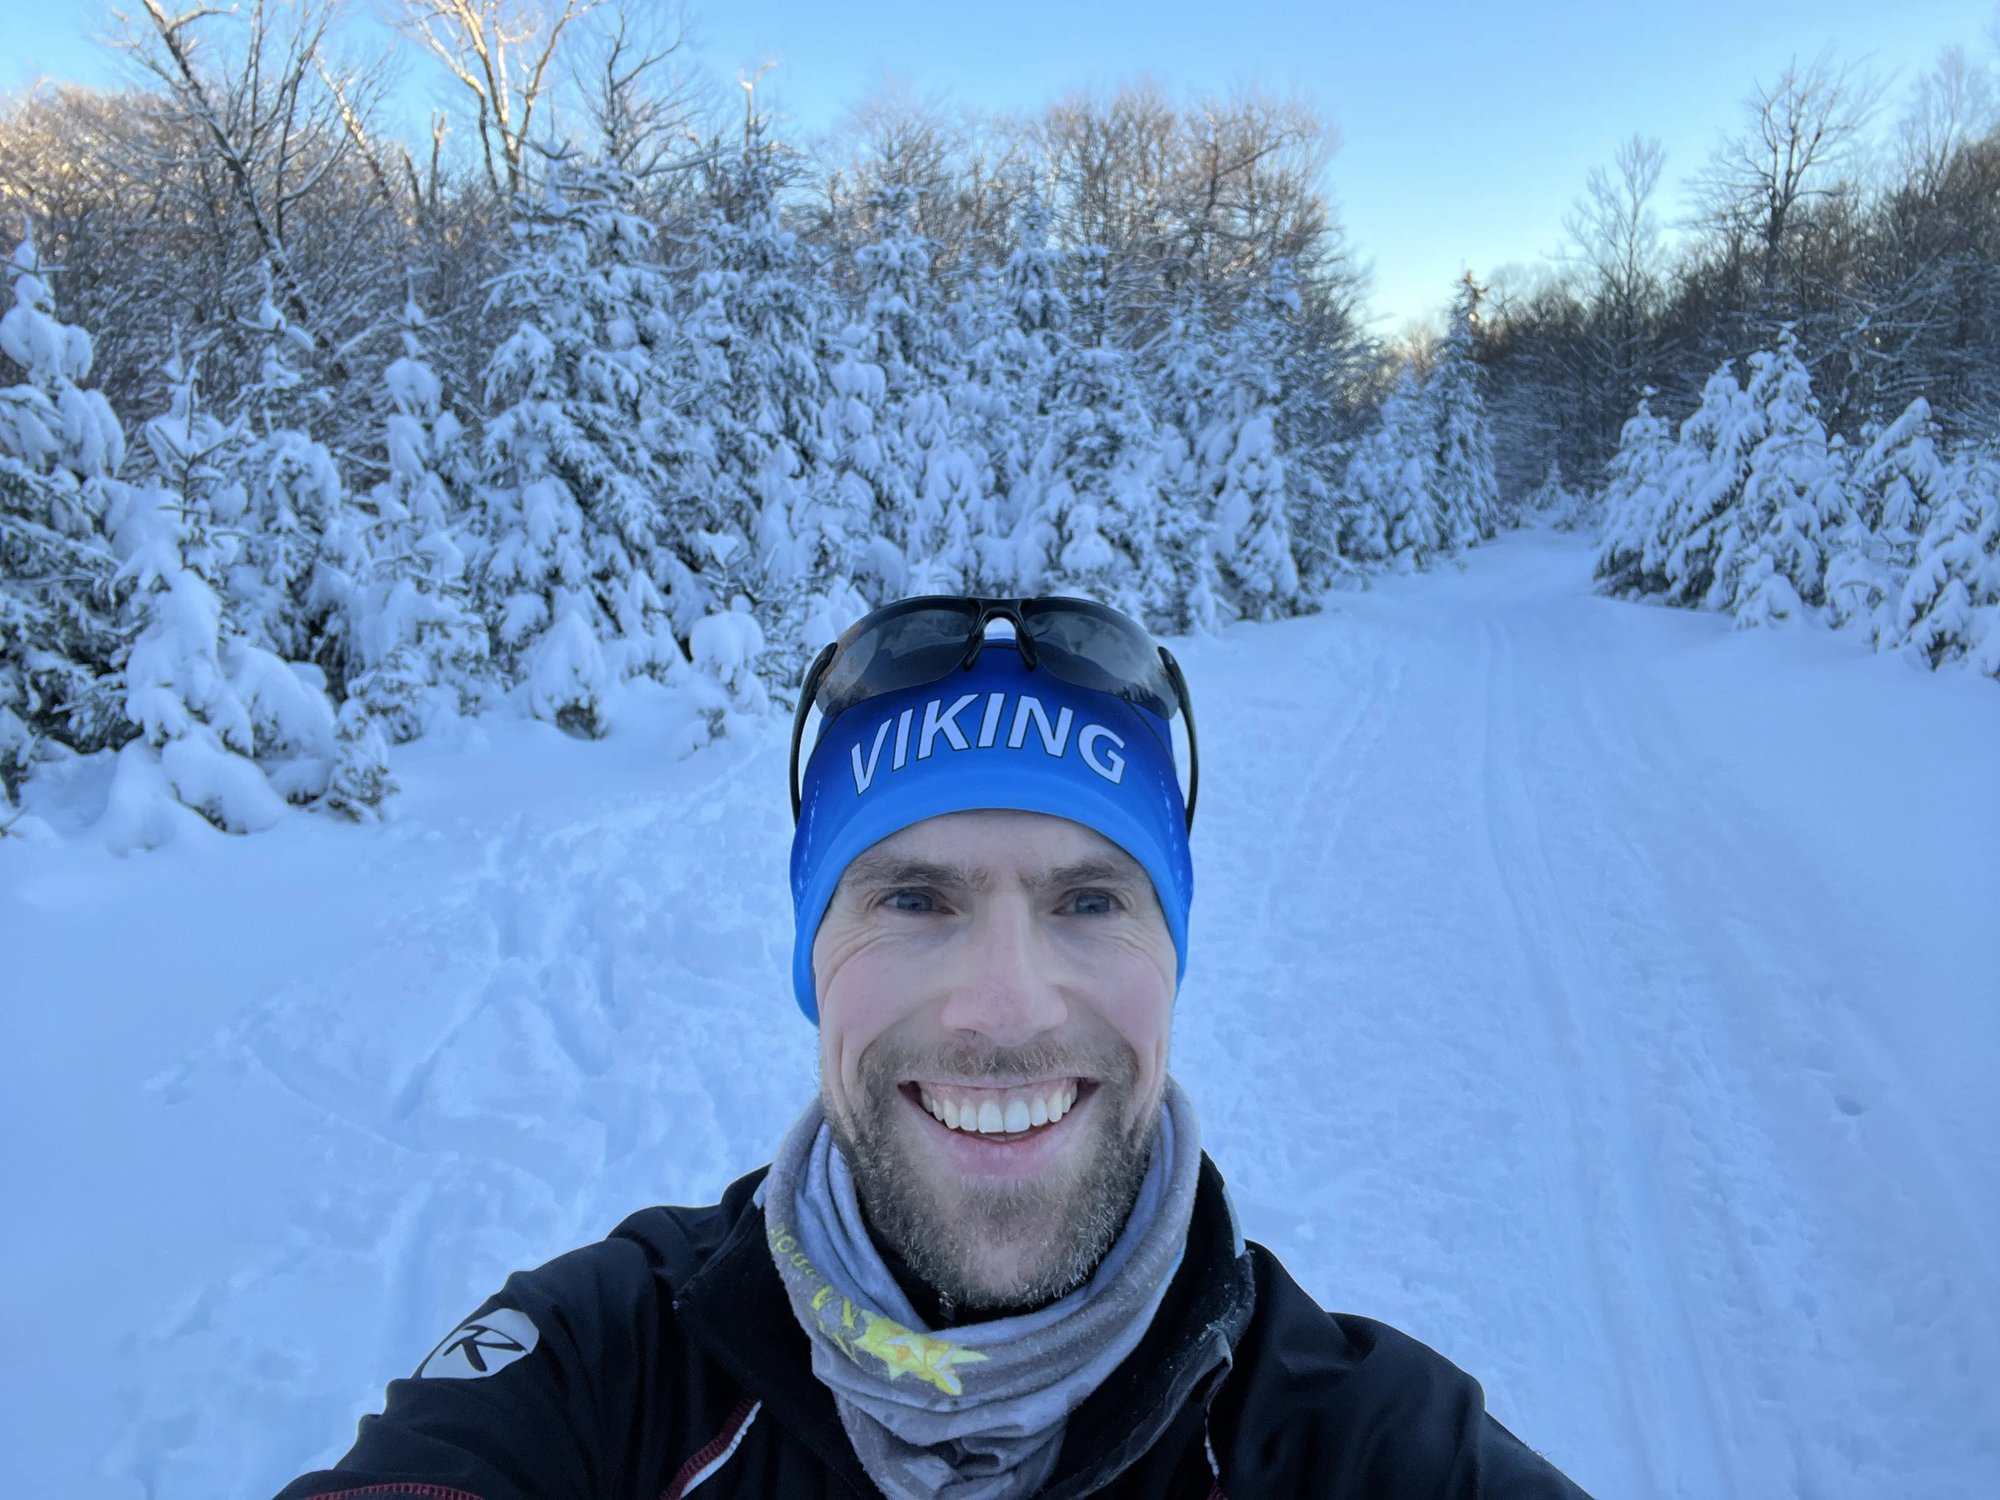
990,1260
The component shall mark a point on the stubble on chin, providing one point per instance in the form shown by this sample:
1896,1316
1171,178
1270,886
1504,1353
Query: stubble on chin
995,1245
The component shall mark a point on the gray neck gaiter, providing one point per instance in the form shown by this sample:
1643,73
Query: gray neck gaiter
972,1413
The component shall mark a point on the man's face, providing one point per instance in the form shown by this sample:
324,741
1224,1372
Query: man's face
1012,973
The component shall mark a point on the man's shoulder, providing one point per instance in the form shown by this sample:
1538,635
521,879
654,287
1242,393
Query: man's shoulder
1317,1341
579,1369
1347,1402
677,1240
648,1258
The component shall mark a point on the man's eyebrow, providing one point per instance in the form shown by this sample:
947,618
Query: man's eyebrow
880,870
1107,869
891,869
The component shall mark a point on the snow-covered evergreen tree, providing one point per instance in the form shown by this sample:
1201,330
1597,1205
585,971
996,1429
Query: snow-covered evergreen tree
1554,503
1022,351
420,647
1097,479
1245,468
1312,517
1770,561
1701,487
928,479
302,563
781,529
1364,498
1632,505
1182,390
1468,496
360,781
580,511
869,476
1894,488
1950,607
60,450
299,546
1388,498
225,727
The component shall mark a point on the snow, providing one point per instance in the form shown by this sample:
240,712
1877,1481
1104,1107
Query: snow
1600,994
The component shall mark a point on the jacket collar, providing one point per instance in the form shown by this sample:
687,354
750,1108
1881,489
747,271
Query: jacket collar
735,1308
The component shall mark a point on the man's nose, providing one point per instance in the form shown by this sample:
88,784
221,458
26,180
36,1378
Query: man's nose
1006,987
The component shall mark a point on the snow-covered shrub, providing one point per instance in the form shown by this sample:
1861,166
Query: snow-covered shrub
60,449
577,571
419,648
1950,607
1632,503
1468,495
1246,465
1892,492
728,647
1399,480
1770,560
1554,503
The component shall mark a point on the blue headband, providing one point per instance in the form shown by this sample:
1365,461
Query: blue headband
998,736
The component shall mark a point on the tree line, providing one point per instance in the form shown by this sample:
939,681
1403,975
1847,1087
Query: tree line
1753,508
1870,228
656,397
1795,413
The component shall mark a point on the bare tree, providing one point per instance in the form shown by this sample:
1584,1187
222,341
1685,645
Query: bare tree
69,170
1613,239
647,110
964,176
503,53
1613,230
1953,104
270,126
1209,193
1802,134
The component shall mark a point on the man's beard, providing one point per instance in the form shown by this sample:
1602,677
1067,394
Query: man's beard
1050,1231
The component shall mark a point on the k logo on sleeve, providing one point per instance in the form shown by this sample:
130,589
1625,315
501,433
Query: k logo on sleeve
482,1345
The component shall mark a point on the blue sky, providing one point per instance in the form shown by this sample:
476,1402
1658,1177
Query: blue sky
1466,131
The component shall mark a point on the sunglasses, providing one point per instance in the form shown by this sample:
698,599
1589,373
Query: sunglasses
916,642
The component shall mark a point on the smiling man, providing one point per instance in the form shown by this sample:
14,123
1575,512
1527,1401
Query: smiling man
990,1259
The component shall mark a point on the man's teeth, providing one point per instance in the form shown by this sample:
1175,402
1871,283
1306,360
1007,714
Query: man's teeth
989,1116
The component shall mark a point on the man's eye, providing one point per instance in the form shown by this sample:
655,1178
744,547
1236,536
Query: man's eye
1093,903
910,901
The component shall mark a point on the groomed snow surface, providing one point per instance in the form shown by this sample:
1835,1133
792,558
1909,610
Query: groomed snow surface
1604,996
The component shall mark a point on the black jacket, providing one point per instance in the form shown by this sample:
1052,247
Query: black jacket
668,1361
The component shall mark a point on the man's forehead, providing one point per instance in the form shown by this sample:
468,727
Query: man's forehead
996,842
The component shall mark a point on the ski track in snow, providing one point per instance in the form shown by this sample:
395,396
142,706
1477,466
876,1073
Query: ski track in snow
1513,1019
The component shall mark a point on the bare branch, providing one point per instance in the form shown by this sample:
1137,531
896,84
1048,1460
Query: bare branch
1802,135
504,53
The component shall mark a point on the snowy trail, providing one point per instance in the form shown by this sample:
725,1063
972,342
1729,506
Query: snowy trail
1685,955
1672,1204
1534,1007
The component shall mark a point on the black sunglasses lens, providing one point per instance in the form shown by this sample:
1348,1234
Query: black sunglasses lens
893,650
1095,647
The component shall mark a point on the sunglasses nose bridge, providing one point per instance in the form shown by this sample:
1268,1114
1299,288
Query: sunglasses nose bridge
999,609
1011,611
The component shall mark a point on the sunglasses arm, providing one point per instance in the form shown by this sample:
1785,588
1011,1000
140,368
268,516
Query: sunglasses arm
808,690
1187,713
